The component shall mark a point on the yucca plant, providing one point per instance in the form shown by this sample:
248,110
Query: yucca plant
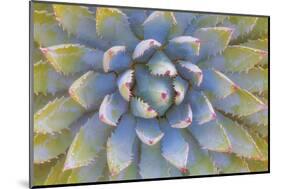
122,94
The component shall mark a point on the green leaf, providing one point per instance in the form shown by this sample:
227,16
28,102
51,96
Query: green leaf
180,116
241,25
47,146
180,87
255,80
240,103
145,49
142,109
158,25
89,173
41,100
261,28
46,30
190,72
160,65
57,175
211,136
183,47
125,84
90,89
47,80
120,145
153,165
198,161
112,108
212,40
209,20
116,59
237,59
160,92
73,58
241,142
80,22
258,166
257,119
261,143
216,84
174,147
112,25
201,107
229,163
57,115
41,171
88,142
183,19
148,131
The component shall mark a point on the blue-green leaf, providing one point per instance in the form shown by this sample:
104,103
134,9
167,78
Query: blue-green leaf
142,109
73,58
160,65
190,72
158,25
201,107
112,108
180,116
183,19
116,59
88,142
112,25
211,136
148,131
90,89
183,47
156,91
125,84
145,49
120,145
174,147
180,88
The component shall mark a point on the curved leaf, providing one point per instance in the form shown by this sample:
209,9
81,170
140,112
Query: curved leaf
212,40
190,71
57,115
237,59
158,25
89,173
241,142
113,26
41,171
209,20
47,80
125,84
211,136
116,59
255,80
198,161
180,116
240,103
90,89
183,47
47,146
73,58
160,65
120,145
145,49
46,30
80,22
159,94
201,107
174,147
153,165
217,84
142,109
183,19
261,28
148,131
180,88
229,163
112,108
88,142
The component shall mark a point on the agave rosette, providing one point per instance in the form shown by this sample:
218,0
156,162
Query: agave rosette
124,94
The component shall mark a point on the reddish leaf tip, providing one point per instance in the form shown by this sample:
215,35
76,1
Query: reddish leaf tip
44,50
167,73
183,170
164,95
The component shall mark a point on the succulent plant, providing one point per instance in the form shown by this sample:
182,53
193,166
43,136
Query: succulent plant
124,94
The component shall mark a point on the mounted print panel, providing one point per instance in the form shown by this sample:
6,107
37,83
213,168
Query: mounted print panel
127,94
